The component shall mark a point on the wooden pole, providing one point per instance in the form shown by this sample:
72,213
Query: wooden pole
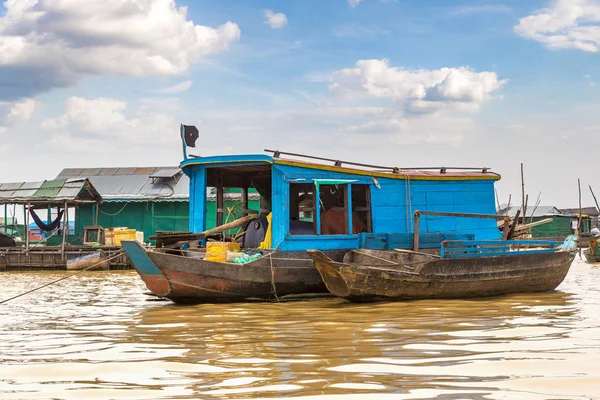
64,232
497,200
506,228
579,221
220,202
523,193
537,203
596,201
416,232
525,209
27,226
514,225
244,201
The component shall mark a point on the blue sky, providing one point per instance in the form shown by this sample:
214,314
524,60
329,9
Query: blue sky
398,82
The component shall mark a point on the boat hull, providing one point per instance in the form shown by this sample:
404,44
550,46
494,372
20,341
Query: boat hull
153,278
445,278
185,279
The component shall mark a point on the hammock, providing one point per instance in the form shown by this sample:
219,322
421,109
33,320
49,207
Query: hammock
47,227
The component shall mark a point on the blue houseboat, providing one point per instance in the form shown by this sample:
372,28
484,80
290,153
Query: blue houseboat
312,203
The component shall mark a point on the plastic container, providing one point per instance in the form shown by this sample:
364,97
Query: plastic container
123,234
217,251
232,255
109,237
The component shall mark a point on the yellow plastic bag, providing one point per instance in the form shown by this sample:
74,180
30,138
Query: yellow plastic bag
266,243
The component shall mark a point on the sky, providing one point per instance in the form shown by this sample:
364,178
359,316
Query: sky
407,83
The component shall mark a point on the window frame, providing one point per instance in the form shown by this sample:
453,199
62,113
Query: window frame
317,229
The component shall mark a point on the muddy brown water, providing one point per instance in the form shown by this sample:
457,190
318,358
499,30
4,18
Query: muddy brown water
98,336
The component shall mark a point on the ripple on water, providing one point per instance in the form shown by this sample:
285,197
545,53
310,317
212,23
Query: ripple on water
97,335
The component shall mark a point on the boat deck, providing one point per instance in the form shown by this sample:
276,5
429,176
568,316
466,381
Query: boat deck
52,257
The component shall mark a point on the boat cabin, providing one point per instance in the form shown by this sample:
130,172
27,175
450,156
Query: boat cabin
317,203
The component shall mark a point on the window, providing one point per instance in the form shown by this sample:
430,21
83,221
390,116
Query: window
332,204
302,209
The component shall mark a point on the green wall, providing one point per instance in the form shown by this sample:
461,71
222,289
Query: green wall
561,226
166,216
147,217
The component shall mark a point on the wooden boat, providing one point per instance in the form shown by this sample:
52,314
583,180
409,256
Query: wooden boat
96,260
189,279
366,275
592,253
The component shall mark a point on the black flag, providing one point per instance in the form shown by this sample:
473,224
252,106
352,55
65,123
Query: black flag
190,135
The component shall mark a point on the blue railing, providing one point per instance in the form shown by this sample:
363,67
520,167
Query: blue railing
494,248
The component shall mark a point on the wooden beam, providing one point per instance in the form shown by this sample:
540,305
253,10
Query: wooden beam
514,225
244,201
461,215
416,231
26,227
220,201
532,224
65,230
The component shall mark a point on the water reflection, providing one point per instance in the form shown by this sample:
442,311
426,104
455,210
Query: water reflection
100,336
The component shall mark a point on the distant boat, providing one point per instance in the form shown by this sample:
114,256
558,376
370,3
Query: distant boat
366,275
592,253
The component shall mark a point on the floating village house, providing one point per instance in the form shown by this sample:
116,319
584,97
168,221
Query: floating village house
338,206
560,226
148,199
40,200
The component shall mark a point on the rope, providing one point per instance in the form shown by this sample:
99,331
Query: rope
273,278
62,279
112,215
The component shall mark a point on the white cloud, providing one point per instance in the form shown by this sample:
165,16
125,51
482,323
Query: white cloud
24,110
48,44
177,88
275,20
358,31
353,3
417,91
481,8
566,24
93,124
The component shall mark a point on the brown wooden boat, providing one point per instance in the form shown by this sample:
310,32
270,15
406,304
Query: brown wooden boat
366,275
185,277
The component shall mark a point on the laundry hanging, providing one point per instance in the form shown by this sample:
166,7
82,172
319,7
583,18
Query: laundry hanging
46,227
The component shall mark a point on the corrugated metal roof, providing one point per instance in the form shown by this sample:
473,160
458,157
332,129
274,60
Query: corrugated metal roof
133,184
591,211
167,173
540,211
54,191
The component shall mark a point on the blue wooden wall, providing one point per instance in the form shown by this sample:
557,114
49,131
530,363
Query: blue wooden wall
392,205
391,208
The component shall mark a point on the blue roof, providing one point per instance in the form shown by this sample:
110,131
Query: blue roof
243,159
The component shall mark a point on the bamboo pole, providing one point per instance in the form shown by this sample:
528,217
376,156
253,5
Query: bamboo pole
579,221
532,224
26,209
537,203
596,201
64,232
523,194
497,200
